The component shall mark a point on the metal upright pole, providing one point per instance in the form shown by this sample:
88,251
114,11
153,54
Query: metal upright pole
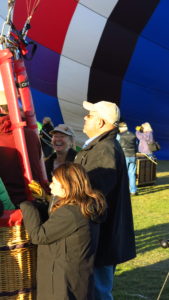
14,112
27,102
164,283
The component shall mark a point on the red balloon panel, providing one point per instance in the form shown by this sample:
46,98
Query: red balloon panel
49,23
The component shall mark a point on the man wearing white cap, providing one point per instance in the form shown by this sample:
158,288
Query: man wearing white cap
105,163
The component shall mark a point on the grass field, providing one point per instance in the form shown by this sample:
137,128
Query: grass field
142,277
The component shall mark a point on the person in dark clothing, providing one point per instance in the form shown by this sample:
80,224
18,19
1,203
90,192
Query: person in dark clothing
4,197
45,136
1,208
63,144
67,241
128,143
104,160
11,171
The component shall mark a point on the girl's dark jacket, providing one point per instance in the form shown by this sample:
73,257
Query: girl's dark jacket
105,163
67,243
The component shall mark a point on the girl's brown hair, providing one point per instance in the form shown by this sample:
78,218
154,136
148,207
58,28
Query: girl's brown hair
76,184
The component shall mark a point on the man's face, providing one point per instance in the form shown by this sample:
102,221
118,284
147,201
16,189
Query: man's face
61,142
90,125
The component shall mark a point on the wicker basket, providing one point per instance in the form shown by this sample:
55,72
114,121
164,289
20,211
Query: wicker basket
17,262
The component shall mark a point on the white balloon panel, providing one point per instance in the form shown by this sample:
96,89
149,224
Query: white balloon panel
102,7
72,84
83,35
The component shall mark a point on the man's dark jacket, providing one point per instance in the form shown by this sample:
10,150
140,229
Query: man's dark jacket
128,143
105,163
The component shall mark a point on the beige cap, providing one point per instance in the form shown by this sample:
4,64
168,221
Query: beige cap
108,111
146,127
122,125
63,128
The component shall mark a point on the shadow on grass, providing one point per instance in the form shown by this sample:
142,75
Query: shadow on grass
149,238
143,282
163,166
153,188
162,179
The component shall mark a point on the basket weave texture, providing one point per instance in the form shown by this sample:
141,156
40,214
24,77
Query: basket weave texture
17,264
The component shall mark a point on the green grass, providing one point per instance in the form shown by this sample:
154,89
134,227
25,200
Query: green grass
142,277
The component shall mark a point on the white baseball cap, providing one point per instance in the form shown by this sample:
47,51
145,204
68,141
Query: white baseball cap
107,111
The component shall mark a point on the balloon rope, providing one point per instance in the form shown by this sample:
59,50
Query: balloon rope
28,3
34,5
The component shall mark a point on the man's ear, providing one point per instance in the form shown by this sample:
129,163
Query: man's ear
101,123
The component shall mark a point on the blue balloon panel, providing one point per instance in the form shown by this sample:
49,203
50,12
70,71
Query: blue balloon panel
145,88
46,106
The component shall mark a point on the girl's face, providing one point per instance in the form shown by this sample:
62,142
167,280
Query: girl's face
56,188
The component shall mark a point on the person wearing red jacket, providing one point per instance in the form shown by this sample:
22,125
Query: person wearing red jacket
10,168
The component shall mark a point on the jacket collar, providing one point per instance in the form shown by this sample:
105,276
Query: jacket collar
111,133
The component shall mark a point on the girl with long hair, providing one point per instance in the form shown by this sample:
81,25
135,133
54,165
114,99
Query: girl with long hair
67,241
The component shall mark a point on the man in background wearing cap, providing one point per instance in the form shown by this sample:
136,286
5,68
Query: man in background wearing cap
105,163
128,143
63,144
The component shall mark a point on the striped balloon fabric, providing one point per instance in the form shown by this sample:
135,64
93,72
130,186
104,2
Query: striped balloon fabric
114,50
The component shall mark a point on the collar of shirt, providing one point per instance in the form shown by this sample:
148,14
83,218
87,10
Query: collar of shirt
89,141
